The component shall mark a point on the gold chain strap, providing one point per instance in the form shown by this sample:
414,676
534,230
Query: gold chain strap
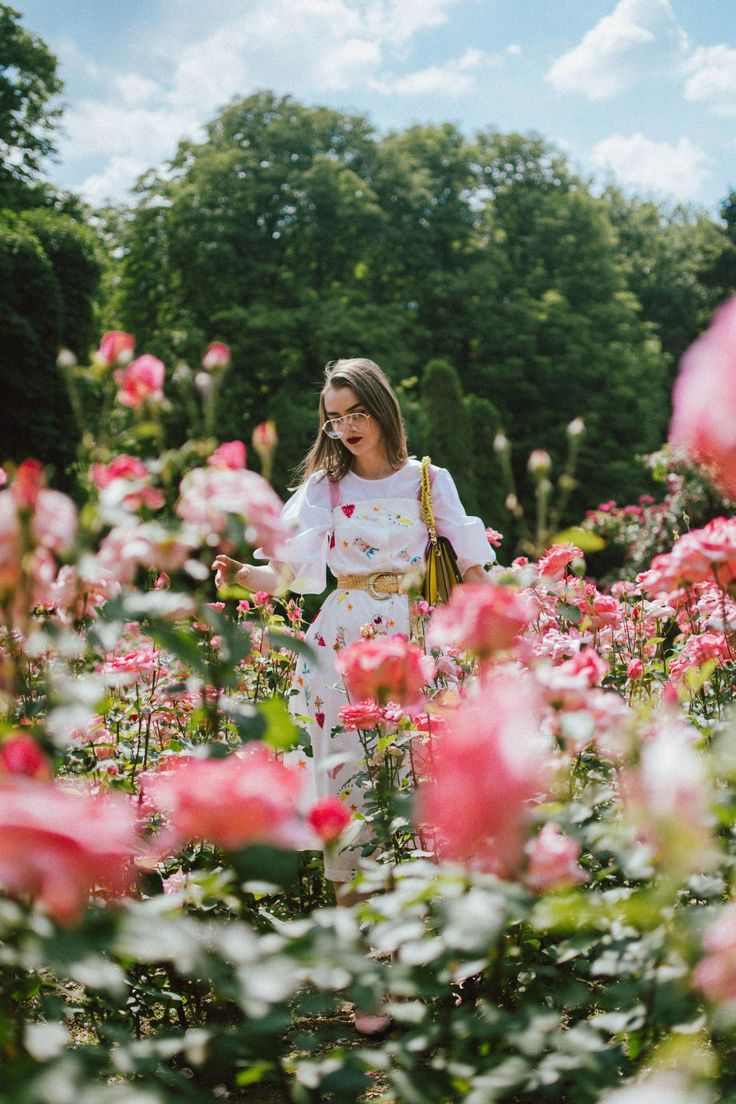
426,501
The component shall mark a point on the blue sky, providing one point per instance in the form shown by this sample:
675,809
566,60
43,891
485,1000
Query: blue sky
642,90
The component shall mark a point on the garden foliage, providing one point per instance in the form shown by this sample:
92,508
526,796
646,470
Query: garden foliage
547,851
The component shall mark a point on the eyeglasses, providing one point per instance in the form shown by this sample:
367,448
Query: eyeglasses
335,427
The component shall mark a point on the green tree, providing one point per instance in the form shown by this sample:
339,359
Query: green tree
297,235
34,408
447,428
28,82
675,265
484,422
559,334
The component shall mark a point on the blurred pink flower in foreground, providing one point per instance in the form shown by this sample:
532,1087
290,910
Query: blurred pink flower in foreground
140,381
248,797
553,860
21,755
704,399
488,766
230,454
52,520
715,974
209,495
329,818
121,467
217,356
265,439
116,346
481,618
667,796
385,668
57,846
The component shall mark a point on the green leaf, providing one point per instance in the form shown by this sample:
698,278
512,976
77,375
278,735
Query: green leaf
281,732
697,677
570,613
583,538
254,1074
261,863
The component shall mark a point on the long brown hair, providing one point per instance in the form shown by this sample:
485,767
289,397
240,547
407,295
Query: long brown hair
374,392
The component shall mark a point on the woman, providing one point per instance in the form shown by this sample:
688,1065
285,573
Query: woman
356,512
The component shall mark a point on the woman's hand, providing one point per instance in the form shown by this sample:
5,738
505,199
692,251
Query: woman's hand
476,574
229,571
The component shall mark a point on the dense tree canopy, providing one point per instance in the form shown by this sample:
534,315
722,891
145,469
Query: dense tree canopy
49,265
482,272
297,235
28,82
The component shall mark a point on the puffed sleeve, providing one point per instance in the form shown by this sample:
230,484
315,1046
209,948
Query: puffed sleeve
467,534
309,517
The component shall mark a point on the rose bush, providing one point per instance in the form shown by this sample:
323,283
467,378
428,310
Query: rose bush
548,920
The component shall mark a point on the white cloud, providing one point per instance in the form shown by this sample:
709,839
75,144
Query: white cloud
455,78
712,79
398,21
202,56
136,90
117,130
118,177
680,169
620,48
351,63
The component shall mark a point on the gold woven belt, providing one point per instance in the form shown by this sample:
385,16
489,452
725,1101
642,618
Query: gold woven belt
380,585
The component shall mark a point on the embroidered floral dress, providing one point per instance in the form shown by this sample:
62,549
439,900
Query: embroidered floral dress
375,526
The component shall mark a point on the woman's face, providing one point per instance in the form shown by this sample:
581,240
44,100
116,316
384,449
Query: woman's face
360,436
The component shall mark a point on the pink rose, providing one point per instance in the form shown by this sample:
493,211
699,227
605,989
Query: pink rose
698,556
217,356
483,618
363,715
248,797
56,846
21,755
635,669
209,495
606,611
715,974
141,381
704,399
121,467
329,818
553,860
231,454
116,347
10,543
668,794
54,521
27,484
265,439
386,667
488,765
553,563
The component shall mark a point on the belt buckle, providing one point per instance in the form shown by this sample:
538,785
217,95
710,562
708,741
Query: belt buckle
379,595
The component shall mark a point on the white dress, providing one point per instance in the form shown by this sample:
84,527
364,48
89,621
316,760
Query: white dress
376,526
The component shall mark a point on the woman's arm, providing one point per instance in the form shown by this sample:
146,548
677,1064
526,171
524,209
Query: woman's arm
230,571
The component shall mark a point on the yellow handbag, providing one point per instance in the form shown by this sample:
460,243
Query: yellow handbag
441,572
